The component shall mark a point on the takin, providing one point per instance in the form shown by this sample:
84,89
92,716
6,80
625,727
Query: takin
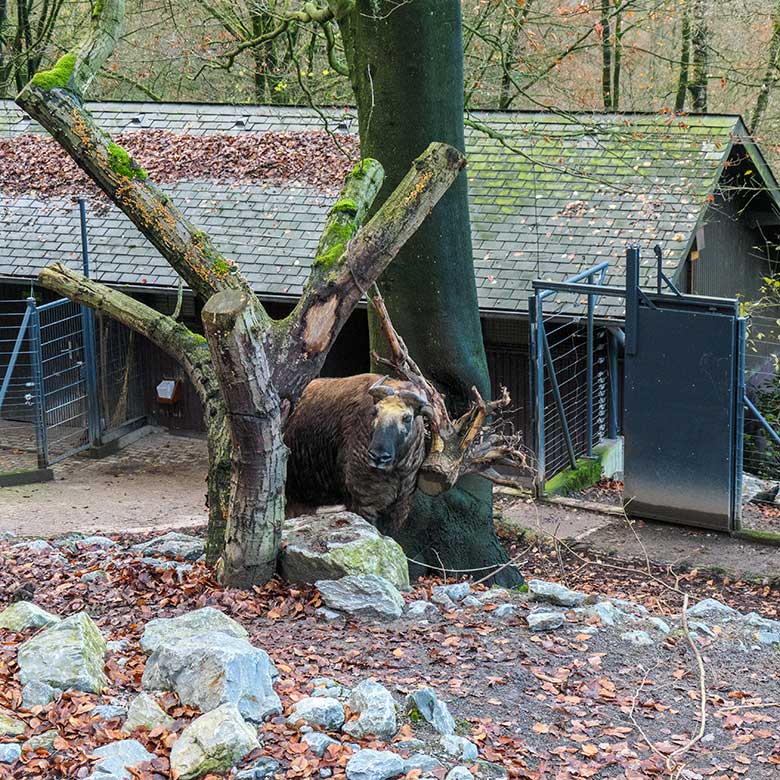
357,441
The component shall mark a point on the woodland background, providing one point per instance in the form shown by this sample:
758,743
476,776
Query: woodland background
613,55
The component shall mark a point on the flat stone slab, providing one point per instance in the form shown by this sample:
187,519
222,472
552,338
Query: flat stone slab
173,545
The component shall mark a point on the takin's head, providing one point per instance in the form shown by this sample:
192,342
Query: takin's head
394,426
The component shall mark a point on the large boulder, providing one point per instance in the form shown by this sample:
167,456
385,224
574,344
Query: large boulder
203,621
117,758
173,545
209,670
69,654
376,709
214,742
24,614
338,544
364,595
555,593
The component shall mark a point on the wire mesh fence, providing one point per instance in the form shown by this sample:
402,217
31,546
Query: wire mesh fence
761,456
18,391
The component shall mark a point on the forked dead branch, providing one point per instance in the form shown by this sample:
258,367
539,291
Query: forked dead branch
474,443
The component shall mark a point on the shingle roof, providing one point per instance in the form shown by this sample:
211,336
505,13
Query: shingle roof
550,195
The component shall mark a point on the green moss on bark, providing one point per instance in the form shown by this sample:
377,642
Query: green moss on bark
58,76
123,164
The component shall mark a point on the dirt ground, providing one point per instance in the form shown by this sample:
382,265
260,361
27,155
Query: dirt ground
158,480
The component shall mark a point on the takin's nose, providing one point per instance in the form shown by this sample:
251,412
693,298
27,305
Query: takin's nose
380,459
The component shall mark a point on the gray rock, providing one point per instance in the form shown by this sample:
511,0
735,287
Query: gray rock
210,670
117,758
443,600
763,630
328,614
605,611
44,741
461,747
318,742
181,569
69,654
713,610
455,592
11,726
339,544
423,762
326,772
109,711
24,614
96,541
659,623
554,593
39,694
377,711
459,773
700,627
39,546
145,712
325,686
365,595
471,601
432,708
494,595
200,621
503,611
172,545
94,576
375,765
409,744
631,607
117,645
319,710
214,742
638,638
10,752
542,619
263,769
421,608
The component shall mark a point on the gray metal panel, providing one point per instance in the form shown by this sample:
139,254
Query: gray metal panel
679,416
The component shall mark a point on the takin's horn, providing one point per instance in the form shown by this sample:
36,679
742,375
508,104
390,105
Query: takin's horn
379,390
419,400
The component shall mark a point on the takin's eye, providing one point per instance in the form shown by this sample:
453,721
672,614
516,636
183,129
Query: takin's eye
407,419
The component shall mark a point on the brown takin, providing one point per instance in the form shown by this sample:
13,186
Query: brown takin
357,441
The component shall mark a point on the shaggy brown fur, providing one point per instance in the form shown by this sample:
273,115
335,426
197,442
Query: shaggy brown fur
329,435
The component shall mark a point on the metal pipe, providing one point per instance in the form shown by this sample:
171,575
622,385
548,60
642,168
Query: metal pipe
589,374
760,417
587,274
538,328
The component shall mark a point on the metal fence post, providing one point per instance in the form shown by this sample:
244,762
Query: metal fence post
41,435
739,424
589,372
632,297
88,341
9,370
539,394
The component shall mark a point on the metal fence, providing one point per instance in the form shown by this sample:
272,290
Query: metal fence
574,375
762,390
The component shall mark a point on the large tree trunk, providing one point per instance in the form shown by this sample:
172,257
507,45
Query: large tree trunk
406,68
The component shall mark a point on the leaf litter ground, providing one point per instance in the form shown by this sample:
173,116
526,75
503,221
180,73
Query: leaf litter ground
541,706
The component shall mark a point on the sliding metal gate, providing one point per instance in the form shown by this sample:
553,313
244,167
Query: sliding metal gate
682,396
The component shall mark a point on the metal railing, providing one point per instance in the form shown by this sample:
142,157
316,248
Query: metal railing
575,371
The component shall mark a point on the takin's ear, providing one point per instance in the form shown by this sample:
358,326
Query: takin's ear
426,410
